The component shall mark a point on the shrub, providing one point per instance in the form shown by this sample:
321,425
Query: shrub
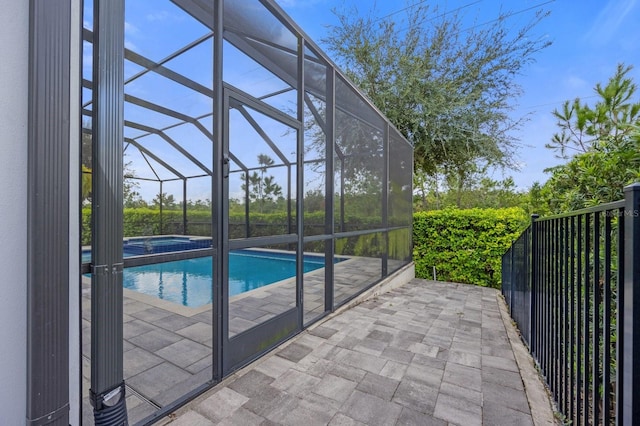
465,246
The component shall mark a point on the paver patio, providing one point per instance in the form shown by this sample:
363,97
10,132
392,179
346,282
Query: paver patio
427,353
168,347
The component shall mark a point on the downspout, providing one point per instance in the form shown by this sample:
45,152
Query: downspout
48,207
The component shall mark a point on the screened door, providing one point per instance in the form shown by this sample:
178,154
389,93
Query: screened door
261,266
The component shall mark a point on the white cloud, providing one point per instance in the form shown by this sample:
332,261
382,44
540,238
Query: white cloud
158,16
285,4
130,46
129,28
609,20
130,31
575,82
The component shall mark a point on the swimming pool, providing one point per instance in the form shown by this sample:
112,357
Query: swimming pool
188,282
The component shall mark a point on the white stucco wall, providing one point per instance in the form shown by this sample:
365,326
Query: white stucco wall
14,50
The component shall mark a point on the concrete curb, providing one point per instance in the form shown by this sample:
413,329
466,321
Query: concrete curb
537,395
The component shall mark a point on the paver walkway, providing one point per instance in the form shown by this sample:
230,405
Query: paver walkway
168,347
427,353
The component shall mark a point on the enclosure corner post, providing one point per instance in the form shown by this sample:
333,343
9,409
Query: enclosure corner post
631,309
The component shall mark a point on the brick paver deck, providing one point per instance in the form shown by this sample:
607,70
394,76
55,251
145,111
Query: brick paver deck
168,347
427,353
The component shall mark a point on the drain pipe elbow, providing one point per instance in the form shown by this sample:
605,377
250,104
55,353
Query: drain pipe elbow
110,408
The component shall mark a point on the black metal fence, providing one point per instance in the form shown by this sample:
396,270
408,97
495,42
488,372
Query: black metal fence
572,283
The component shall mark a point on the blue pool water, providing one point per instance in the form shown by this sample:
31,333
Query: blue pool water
188,282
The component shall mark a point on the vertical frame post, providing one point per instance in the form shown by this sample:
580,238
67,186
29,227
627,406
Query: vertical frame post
161,198
631,308
184,206
247,202
385,200
107,381
218,228
300,185
329,191
289,208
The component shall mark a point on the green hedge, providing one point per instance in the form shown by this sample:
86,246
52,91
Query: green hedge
146,221
465,246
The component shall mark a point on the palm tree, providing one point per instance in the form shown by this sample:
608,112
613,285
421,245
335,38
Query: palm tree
265,161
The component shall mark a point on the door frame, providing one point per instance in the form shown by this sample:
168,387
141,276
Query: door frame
252,343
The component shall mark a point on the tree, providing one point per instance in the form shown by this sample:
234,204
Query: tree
261,188
606,126
130,195
271,191
87,182
265,161
314,200
483,192
447,89
605,142
167,201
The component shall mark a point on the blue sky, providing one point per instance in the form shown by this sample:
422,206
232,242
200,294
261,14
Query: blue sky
588,41
589,38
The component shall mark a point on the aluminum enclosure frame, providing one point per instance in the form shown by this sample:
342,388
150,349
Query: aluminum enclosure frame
49,200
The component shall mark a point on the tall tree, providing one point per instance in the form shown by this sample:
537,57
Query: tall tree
264,161
447,88
602,144
261,188
166,200
606,125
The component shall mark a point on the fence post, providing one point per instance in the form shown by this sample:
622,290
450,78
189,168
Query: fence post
631,311
512,278
533,284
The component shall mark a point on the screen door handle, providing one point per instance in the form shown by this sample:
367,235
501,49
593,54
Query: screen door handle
225,165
